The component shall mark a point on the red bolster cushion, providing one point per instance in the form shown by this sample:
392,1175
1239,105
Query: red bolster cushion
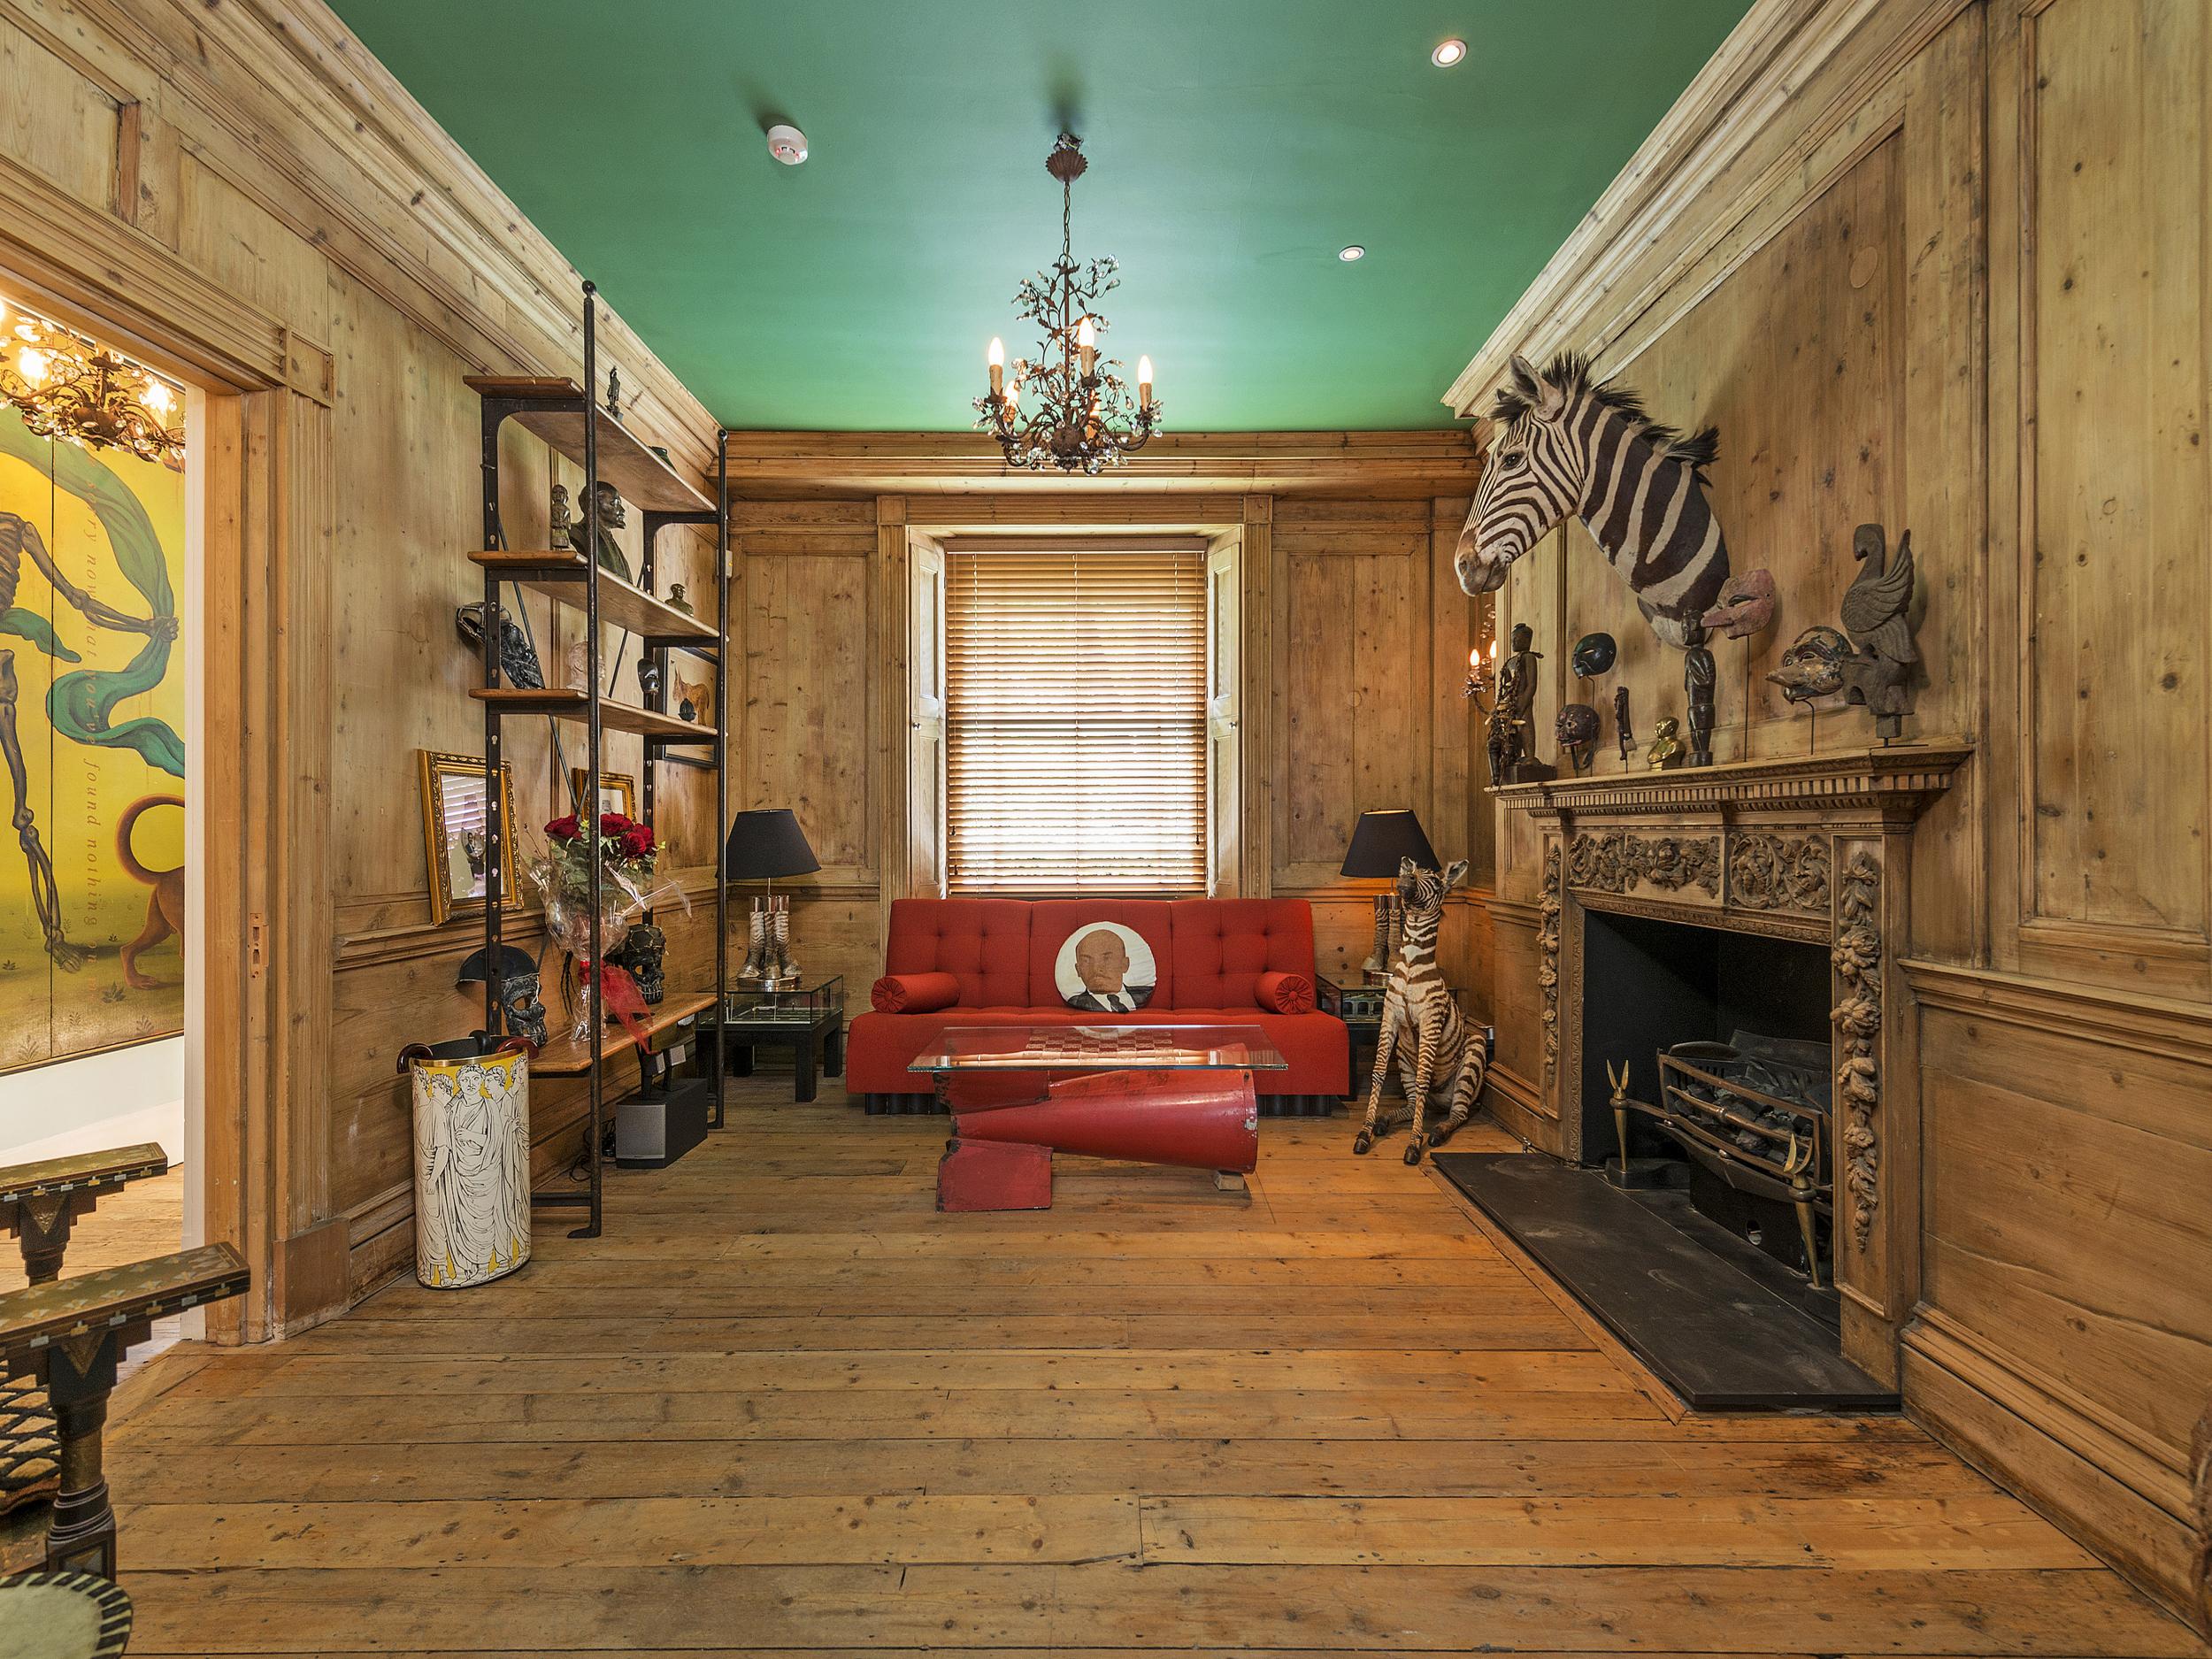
1284,992
913,993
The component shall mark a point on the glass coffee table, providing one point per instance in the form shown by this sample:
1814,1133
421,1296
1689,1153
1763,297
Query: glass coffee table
1065,1049
1175,1094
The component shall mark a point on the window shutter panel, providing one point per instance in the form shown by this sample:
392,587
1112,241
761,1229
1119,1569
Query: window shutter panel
1075,721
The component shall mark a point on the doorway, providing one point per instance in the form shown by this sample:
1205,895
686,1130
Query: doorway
98,699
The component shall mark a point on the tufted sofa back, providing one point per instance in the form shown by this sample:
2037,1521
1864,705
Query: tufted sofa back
984,943
1222,947
1210,951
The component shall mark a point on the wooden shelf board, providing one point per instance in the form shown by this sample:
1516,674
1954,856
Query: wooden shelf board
567,1056
560,574
642,478
565,704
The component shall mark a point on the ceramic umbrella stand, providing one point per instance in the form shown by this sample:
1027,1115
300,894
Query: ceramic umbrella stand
471,1159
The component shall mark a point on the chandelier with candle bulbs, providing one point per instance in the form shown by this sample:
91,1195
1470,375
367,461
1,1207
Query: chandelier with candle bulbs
1067,407
70,387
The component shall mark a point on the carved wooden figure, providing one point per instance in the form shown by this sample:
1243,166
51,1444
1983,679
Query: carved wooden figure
1877,615
1510,718
1698,674
1872,660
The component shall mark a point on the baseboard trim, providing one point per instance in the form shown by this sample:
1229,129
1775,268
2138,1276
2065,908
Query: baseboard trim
1519,1107
2000,1421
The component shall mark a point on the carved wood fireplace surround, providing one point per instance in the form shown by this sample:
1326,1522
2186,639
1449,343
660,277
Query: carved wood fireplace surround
1815,849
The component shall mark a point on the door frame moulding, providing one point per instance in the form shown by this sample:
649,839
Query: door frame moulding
263,464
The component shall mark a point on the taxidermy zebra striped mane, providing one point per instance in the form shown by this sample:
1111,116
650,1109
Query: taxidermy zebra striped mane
1570,371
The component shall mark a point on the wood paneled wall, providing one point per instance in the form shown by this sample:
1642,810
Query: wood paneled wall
1956,281
1369,634
1354,641
243,192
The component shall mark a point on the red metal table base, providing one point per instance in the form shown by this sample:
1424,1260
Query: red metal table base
1000,1157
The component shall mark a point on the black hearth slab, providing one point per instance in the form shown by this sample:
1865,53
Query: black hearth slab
1719,1338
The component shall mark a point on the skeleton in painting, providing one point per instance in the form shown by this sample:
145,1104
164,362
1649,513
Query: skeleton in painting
17,537
1441,1059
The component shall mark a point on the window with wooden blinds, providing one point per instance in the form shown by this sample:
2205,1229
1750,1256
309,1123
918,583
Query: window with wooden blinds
1075,721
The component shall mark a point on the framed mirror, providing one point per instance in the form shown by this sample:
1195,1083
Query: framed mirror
455,831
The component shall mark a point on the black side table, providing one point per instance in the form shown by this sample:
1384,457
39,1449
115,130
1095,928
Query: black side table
1360,1007
810,1020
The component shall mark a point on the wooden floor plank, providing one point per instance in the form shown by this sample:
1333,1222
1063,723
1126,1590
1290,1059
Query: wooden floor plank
827,1331
1401,1609
558,1534
1267,1468
902,1413
1412,1373
783,1406
1931,1534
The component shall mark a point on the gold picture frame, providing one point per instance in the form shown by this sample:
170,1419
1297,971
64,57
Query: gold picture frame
623,784
453,812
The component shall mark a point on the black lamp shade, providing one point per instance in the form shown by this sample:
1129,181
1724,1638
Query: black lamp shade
768,842
1379,839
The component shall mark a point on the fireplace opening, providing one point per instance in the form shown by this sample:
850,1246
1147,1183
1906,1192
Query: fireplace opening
1696,1254
1722,1040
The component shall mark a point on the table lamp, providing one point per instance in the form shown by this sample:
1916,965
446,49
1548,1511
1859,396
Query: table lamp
1380,841
766,843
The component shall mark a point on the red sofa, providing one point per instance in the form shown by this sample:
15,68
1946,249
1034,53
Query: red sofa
1211,954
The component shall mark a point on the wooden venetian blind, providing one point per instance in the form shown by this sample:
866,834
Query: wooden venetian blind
1075,721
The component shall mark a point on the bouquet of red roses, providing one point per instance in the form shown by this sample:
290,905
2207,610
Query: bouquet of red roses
628,856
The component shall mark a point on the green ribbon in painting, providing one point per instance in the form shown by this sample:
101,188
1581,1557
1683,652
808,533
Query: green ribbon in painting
79,703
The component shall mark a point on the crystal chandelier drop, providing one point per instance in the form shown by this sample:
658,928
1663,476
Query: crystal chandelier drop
1078,417
70,387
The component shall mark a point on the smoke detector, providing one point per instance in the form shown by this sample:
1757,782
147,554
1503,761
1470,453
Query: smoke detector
787,144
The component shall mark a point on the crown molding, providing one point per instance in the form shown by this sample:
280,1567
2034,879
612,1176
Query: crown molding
1787,77
1419,463
283,102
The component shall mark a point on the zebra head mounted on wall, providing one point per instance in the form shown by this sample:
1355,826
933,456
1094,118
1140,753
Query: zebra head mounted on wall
1566,446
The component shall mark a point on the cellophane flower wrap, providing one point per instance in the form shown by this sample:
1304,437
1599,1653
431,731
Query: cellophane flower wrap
629,857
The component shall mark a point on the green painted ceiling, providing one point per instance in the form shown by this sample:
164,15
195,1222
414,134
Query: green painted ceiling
1235,145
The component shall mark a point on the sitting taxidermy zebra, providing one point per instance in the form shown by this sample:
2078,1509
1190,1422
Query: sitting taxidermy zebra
1441,1059
1567,446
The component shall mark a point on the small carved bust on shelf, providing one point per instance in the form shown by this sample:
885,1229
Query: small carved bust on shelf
676,599
610,516
1666,744
559,517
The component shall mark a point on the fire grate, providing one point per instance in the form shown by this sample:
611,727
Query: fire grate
1755,1112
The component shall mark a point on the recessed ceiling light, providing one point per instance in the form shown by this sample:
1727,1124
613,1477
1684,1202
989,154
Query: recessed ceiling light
1351,253
1447,53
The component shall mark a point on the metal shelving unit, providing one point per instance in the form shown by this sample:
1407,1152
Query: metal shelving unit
566,417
